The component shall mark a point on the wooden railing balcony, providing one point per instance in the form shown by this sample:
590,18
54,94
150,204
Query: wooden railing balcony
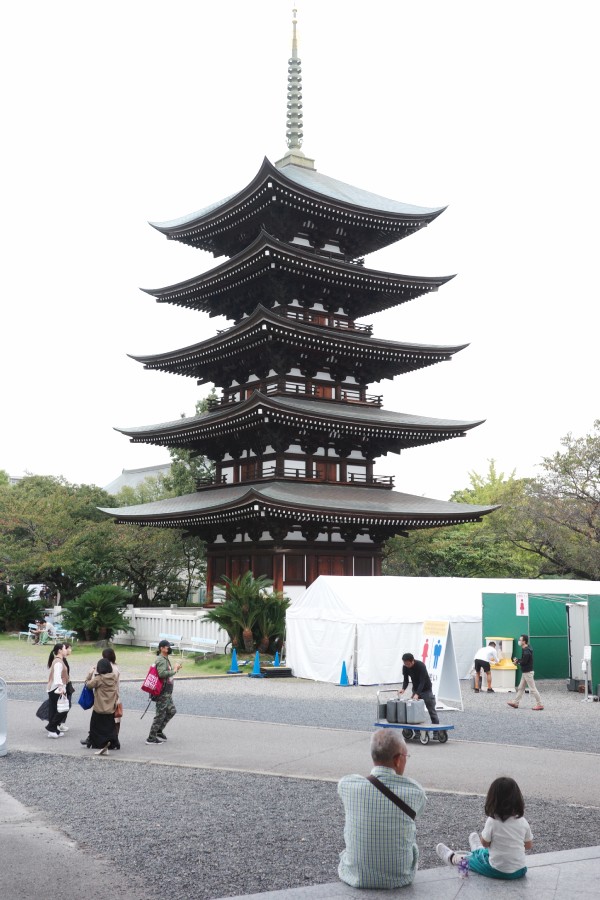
293,389
320,319
299,474
291,473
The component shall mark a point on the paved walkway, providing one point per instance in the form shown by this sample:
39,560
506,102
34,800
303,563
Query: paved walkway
300,751
316,753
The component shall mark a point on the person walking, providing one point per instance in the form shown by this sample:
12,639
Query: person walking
58,678
506,835
526,664
70,690
165,708
483,660
381,839
421,684
109,654
104,683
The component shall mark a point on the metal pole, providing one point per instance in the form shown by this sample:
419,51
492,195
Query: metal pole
3,717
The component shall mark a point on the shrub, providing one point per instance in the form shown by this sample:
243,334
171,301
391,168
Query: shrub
98,613
18,609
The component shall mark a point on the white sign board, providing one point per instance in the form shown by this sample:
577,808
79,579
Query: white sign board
522,603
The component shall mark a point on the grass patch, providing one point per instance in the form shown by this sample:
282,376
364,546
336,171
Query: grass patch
133,662
220,664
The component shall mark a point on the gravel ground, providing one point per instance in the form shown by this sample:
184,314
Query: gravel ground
242,833
233,833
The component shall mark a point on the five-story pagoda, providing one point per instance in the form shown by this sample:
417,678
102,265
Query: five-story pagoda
295,432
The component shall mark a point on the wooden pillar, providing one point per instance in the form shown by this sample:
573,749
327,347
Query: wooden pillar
210,575
312,569
278,571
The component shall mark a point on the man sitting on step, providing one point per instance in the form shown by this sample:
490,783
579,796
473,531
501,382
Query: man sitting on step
380,834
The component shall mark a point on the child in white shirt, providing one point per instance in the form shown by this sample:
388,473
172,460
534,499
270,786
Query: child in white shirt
506,835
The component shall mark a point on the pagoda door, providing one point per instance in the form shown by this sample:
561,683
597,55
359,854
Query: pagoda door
333,565
239,566
325,471
250,470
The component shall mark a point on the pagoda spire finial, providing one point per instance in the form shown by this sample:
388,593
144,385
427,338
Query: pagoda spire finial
294,97
294,134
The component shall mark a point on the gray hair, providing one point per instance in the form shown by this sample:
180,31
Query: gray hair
385,745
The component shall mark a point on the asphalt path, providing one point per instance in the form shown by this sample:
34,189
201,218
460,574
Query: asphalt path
566,723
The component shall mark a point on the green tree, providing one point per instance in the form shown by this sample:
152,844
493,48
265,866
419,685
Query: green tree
98,613
188,469
474,550
158,566
559,518
44,523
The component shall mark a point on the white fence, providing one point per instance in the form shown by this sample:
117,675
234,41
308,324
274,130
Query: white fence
150,622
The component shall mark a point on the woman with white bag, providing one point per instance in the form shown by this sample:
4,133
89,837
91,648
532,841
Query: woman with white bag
58,678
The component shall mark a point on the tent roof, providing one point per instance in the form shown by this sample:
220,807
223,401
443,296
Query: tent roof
389,599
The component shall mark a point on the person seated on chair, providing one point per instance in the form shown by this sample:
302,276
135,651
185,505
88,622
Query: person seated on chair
381,839
36,632
46,634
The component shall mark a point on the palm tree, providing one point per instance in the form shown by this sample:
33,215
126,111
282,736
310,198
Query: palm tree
250,612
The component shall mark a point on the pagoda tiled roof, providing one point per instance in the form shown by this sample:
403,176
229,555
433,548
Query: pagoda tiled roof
363,423
304,502
244,344
228,225
269,269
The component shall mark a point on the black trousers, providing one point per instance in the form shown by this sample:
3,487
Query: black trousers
55,719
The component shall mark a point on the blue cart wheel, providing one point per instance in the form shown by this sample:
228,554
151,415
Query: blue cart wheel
424,737
407,734
442,736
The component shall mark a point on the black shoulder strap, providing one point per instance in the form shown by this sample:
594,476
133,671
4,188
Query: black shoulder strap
391,796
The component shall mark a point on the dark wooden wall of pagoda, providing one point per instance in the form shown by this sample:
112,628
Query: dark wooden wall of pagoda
289,567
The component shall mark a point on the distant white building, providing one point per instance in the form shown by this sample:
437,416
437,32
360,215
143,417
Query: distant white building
134,477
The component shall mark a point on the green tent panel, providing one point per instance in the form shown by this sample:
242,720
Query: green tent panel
546,626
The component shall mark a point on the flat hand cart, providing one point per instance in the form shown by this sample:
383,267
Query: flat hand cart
411,732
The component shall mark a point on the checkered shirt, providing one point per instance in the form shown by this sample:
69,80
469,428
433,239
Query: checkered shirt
381,840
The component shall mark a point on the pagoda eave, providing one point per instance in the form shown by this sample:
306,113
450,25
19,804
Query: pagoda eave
300,505
332,420
271,270
217,359
368,220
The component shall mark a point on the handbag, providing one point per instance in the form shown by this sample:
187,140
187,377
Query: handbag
152,683
43,712
119,710
86,697
392,796
62,704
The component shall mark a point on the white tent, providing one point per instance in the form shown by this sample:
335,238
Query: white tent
368,623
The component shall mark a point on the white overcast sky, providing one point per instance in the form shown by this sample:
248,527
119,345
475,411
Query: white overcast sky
120,113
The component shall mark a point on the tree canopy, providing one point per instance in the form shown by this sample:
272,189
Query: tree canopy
559,516
474,550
